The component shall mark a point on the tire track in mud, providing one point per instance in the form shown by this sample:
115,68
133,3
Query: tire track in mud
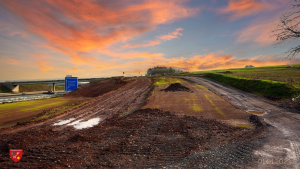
103,106
281,141
106,105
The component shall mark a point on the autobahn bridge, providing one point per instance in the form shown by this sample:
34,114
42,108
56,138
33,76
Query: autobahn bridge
14,85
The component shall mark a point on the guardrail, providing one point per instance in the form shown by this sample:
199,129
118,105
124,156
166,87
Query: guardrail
27,98
26,80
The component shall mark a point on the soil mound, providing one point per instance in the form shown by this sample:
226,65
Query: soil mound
176,87
99,88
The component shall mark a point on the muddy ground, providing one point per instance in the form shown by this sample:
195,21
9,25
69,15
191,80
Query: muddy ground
10,116
281,148
100,88
146,138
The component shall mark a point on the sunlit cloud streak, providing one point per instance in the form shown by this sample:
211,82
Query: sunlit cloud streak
260,32
171,35
154,42
240,8
44,66
9,60
213,61
146,44
83,26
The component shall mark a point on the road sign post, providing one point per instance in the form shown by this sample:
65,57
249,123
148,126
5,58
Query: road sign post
71,83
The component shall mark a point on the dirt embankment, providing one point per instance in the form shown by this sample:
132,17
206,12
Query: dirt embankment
38,87
100,88
146,138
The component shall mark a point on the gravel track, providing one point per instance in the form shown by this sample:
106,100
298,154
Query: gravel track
279,148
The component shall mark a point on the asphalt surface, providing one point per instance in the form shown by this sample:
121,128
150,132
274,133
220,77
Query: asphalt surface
7,98
279,148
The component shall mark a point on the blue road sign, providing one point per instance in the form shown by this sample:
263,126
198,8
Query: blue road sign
71,83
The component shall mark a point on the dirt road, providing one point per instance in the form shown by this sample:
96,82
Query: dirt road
281,146
94,136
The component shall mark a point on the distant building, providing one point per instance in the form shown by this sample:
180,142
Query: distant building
247,66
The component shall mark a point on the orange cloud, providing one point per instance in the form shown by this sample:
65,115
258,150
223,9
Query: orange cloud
147,44
9,60
74,70
241,8
171,35
213,61
82,26
44,66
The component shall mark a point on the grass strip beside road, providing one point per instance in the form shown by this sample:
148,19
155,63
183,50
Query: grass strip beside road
49,113
261,87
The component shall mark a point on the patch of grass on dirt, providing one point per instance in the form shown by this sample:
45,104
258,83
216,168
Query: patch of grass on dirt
196,108
261,87
185,99
218,110
242,125
162,81
123,114
202,87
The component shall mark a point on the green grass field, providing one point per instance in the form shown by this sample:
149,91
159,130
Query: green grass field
290,76
277,81
13,112
270,81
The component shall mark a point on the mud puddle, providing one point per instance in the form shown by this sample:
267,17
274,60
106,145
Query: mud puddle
255,112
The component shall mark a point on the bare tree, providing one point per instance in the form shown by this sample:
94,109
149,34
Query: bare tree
288,28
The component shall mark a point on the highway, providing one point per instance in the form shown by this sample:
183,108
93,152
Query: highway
16,97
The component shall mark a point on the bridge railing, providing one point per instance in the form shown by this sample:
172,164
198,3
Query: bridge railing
33,80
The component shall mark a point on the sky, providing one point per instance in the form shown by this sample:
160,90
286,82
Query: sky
48,39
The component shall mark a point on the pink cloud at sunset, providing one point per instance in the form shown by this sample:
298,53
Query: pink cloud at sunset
12,61
213,61
40,19
260,33
96,37
87,30
210,62
240,8
169,36
146,44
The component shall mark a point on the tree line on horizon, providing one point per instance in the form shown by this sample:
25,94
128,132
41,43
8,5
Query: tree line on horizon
161,70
